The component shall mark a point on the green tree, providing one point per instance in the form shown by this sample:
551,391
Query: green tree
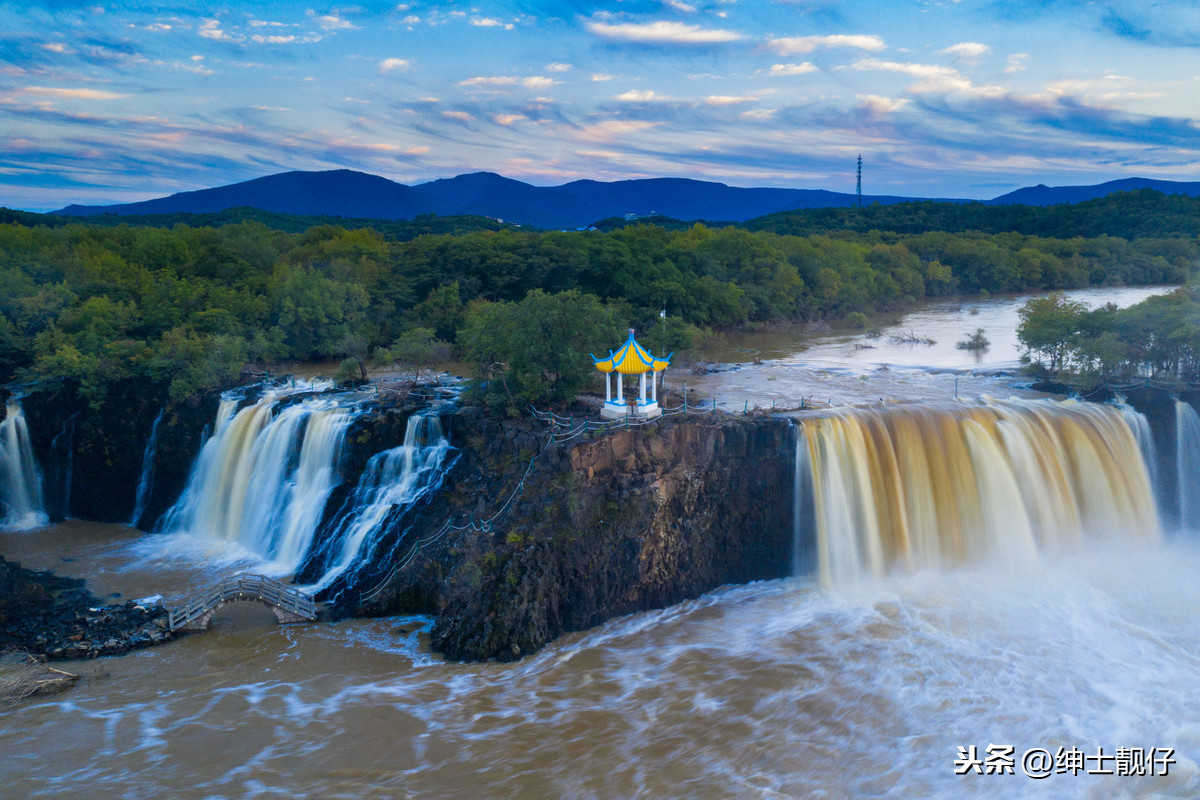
1048,328
537,350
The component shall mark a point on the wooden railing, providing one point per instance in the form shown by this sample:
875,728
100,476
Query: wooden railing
289,603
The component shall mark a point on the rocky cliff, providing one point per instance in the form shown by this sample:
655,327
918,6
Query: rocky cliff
91,456
630,520
633,520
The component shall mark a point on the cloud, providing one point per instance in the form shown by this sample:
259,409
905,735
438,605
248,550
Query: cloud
727,100
800,45
508,119
461,116
969,52
72,94
532,82
758,114
1016,63
680,6
275,39
389,64
558,66
332,22
498,80
934,78
640,96
662,32
211,29
491,22
878,105
614,129
602,76
779,70
1098,93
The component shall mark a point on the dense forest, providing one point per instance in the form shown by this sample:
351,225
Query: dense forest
192,305
1144,213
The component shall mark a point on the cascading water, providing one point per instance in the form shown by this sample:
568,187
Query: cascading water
56,482
146,481
393,482
1145,438
20,480
261,481
918,487
1187,463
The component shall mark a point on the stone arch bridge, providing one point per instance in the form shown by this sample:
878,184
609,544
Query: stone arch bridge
288,603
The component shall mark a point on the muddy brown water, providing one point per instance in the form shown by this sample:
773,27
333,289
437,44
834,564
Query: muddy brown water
771,690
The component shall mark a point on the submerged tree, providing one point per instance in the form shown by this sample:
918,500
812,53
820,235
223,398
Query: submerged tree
976,341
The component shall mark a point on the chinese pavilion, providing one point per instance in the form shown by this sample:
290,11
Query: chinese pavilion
631,359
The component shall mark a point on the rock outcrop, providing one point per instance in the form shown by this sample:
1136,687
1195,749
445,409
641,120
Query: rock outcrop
55,617
633,520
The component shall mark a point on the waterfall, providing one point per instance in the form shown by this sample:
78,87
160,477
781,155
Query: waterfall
921,487
146,481
393,482
1145,438
1187,464
56,487
802,503
20,481
261,481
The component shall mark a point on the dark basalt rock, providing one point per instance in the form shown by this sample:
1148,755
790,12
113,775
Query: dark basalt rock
94,475
48,615
634,520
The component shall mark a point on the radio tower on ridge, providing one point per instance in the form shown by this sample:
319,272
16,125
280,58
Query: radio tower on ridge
859,191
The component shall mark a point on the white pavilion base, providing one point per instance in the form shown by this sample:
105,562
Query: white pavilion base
615,410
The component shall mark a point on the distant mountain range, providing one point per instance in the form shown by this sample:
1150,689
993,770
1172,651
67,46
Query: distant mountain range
346,193
1042,195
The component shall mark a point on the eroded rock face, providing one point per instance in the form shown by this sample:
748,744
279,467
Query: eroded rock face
635,520
91,457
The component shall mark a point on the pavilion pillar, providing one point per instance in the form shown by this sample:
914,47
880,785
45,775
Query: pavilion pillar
642,389
653,387
607,388
620,388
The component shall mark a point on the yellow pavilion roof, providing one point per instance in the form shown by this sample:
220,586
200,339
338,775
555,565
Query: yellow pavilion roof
631,359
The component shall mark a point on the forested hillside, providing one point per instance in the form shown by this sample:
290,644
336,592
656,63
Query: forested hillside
1129,215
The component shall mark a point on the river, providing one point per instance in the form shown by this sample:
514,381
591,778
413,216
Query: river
778,689
775,689
853,368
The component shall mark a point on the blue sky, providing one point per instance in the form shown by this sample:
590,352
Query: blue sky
969,98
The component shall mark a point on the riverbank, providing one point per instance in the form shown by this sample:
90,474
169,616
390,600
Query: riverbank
56,617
